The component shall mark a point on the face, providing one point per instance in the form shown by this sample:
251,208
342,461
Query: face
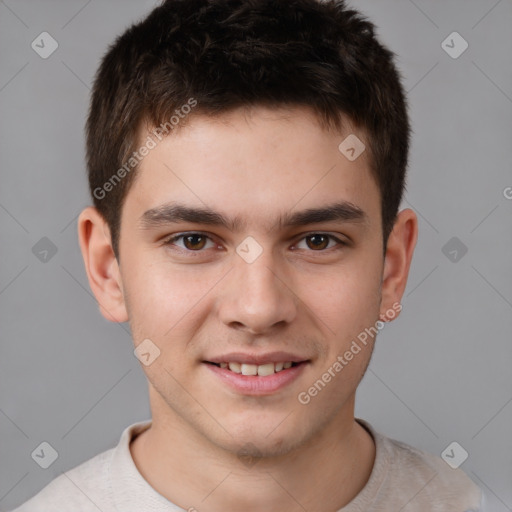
249,242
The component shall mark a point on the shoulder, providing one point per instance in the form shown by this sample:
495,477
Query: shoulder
432,479
90,486
83,488
423,481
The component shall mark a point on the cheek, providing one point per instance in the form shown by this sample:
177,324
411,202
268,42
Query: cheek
347,298
166,302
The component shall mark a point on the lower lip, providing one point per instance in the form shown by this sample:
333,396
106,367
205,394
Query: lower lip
255,385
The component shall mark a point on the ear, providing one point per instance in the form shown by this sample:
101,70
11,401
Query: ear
397,261
101,265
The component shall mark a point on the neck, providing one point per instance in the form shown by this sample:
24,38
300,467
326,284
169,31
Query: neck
324,473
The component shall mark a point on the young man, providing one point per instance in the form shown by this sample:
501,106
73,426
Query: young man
247,161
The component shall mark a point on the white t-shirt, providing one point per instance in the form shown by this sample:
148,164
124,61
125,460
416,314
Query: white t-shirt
403,478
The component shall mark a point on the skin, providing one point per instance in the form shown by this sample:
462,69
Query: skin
257,164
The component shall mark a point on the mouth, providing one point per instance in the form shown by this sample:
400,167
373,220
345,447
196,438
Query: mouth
257,376
261,370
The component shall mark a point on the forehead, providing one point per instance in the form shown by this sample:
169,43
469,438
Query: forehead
254,164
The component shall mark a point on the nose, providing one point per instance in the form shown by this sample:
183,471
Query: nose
256,297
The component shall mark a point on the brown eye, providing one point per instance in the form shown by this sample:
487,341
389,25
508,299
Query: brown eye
317,241
194,242
320,242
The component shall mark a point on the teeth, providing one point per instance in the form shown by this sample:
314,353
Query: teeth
265,369
261,370
235,367
249,369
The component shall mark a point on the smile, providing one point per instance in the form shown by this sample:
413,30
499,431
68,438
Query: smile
256,379
262,370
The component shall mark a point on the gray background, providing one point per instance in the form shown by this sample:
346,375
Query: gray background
441,373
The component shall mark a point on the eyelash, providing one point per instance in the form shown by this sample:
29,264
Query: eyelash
171,241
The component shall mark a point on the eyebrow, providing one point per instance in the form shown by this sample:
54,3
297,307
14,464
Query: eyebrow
172,213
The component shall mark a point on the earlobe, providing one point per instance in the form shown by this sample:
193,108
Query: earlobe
397,262
101,265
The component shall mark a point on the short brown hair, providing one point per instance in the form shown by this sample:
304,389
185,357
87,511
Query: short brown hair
226,54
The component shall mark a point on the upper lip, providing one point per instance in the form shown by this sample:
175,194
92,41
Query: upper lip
267,357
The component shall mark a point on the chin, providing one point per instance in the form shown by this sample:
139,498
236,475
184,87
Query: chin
259,438
257,447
